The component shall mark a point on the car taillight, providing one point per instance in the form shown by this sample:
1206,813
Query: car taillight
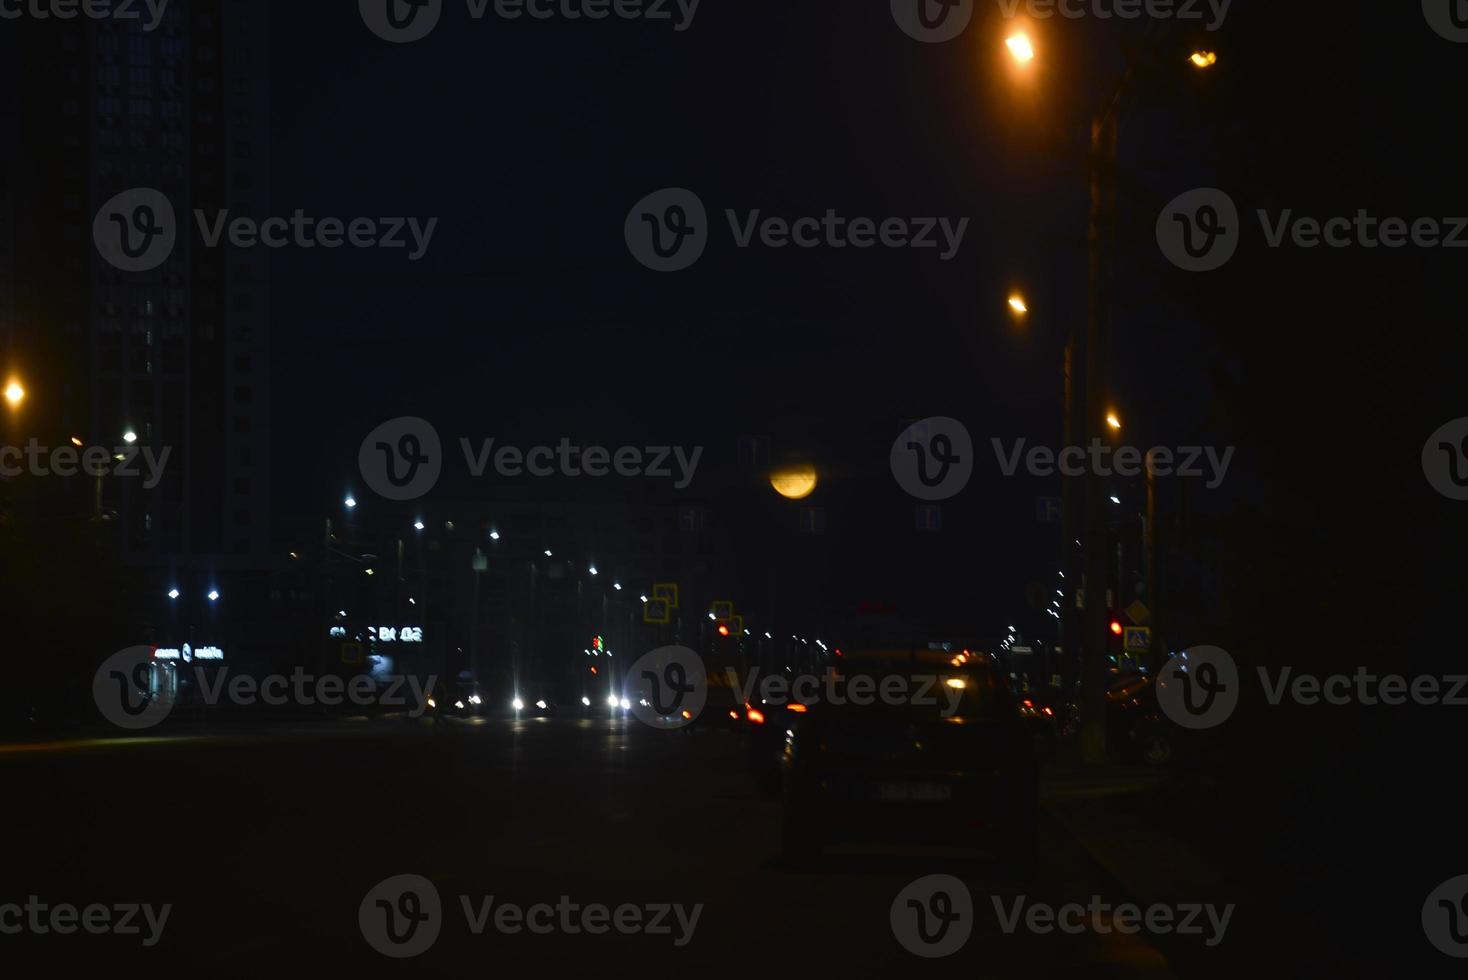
756,716
797,707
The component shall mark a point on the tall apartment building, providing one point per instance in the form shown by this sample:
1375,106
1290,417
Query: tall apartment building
178,355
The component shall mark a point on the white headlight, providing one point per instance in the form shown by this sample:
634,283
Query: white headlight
612,701
540,705
586,701
518,705
626,704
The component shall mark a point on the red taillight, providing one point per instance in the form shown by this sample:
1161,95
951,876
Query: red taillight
1049,711
798,708
756,716
734,715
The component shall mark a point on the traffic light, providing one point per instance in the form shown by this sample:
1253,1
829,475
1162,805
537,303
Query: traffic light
723,629
1116,627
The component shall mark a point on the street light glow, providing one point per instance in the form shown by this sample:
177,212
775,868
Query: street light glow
213,595
350,501
1020,48
1113,420
174,593
129,437
1204,59
14,394
1018,305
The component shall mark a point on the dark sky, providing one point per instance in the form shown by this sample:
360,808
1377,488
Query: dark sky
529,320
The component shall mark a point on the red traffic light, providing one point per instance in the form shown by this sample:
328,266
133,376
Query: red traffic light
1116,627
723,629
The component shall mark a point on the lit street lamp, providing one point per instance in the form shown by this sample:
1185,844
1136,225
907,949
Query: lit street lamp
14,393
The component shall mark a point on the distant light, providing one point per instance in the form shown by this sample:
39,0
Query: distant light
626,705
1018,305
371,572
617,586
1113,420
723,629
1116,627
517,704
1020,48
412,601
350,501
711,615
459,705
548,553
768,636
540,705
494,535
1204,59
594,571
76,442
417,525
129,437
957,683
613,701
342,613
1115,499
213,595
14,393
643,598
586,701
174,593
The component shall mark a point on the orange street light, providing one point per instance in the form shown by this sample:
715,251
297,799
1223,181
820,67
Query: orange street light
1020,48
14,393
1018,305
1113,420
1204,59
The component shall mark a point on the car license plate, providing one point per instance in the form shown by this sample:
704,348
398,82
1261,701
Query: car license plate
915,792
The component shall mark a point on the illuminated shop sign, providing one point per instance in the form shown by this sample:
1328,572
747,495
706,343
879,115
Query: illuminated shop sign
187,653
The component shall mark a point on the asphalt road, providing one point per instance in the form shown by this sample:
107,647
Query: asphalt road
266,848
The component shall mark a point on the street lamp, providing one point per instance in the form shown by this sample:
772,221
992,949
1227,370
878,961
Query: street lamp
1021,49
174,593
129,437
14,393
213,595
1018,306
1203,60
418,525
1113,421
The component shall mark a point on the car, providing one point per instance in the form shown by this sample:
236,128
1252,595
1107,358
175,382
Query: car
960,771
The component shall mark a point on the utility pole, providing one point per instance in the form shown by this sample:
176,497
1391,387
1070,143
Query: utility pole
1095,674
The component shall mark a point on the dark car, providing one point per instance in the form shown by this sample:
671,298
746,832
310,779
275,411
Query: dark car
1135,722
959,772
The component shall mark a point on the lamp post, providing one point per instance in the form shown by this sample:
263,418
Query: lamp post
1101,168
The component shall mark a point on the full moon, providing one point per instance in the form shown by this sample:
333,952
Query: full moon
794,482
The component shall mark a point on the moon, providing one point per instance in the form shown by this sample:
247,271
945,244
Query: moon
794,482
